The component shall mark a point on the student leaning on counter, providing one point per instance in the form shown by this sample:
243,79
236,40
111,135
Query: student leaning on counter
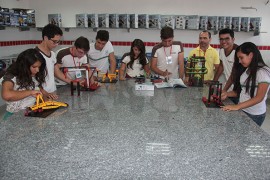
51,35
134,63
101,53
75,56
168,55
23,81
251,78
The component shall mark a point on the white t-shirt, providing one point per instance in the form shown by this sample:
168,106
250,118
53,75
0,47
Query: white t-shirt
15,106
49,84
137,68
227,62
160,52
263,76
100,59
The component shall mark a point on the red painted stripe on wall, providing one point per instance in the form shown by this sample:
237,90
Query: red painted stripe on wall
114,43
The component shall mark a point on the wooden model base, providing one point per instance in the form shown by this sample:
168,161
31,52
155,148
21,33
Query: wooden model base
211,104
41,114
195,82
108,81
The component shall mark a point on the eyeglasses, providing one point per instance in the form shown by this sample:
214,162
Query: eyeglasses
224,39
55,41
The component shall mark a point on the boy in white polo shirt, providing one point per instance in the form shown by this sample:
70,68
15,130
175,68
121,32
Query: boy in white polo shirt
101,53
74,56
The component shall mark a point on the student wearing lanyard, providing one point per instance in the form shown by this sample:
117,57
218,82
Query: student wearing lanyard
210,54
75,56
168,56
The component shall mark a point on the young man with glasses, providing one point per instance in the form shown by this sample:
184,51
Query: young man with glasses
51,35
226,55
75,56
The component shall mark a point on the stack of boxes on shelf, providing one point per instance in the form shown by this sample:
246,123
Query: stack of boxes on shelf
26,18
17,17
55,19
157,21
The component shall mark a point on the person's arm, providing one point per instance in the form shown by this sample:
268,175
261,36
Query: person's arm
216,68
90,74
9,94
228,84
60,75
156,69
122,71
112,62
219,71
262,89
226,94
181,65
47,95
186,80
147,69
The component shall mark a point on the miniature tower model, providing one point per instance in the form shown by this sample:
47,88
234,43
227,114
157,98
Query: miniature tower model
214,95
196,70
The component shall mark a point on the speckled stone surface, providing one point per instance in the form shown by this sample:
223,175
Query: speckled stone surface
118,133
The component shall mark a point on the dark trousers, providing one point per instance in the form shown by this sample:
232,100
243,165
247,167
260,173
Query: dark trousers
258,119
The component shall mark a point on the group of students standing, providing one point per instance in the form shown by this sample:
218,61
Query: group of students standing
38,70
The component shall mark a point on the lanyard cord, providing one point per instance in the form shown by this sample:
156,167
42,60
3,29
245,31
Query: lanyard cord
74,60
165,51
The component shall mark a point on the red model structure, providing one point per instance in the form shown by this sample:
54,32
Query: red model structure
214,96
86,86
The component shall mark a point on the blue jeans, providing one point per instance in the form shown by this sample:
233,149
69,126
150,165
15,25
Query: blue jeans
258,119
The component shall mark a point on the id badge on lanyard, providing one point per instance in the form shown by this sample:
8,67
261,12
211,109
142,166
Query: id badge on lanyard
169,59
78,74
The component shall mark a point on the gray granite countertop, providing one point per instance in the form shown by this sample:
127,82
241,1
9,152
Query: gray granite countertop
119,133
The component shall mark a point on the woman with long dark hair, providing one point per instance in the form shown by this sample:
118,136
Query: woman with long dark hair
135,63
251,77
23,80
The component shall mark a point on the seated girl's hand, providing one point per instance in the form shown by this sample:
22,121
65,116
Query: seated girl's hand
52,96
34,93
122,78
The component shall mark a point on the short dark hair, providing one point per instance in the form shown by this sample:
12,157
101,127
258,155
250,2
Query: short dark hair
103,35
227,31
50,30
166,32
82,43
205,31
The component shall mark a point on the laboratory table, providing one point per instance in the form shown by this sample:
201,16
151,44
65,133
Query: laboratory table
116,132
